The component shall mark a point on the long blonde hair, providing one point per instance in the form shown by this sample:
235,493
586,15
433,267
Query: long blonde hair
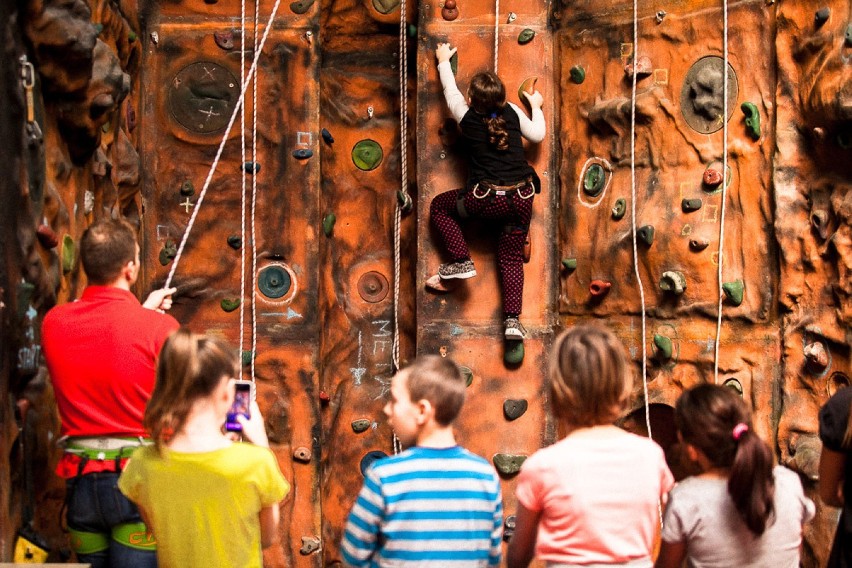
190,367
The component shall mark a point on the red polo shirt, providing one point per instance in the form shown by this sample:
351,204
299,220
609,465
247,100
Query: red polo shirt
101,352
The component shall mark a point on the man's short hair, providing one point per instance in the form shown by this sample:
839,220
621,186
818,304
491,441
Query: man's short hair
105,248
438,380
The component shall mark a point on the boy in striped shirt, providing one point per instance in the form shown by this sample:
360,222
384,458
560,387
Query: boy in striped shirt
434,504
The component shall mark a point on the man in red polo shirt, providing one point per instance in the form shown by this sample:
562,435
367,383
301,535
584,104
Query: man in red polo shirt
101,353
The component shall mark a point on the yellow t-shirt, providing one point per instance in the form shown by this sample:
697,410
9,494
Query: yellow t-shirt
203,507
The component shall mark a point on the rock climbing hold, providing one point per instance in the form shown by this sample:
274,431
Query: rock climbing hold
569,263
599,288
247,357
224,40
301,6
698,244
369,458
168,252
689,205
467,374
821,16
130,117
641,66
734,291
373,287
302,454
514,352
527,86
594,180
819,221
712,178
450,10
660,16
235,242
131,36
646,234
752,120
47,237
619,209
310,544
526,36
673,281
360,425
303,153
187,189
454,63
251,167
99,28
68,253
848,36
324,398
367,155
328,224
274,282
509,528
577,74
385,6
230,304
326,136
514,408
508,464
511,17
412,30
663,346
816,356
735,386
404,201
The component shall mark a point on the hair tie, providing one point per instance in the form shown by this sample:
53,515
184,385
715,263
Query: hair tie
739,430
493,115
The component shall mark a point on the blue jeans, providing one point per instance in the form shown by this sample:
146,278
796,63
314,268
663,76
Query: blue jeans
96,505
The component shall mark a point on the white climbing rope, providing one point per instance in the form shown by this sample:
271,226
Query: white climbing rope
243,184
724,186
215,163
254,200
633,215
496,32
403,160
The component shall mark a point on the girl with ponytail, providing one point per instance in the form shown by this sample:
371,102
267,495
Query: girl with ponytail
835,471
208,500
740,511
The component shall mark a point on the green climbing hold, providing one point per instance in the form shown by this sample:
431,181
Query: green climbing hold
526,36
467,373
619,209
734,291
301,6
235,242
274,282
99,28
594,180
247,357
187,189
848,35
168,252
509,464
821,16
752,120
689,205
569,263
68,253
412,30
663,346
454,62
404,201
230,304
578,74
360,425
514,353
646,234
328,224
131,36
367,155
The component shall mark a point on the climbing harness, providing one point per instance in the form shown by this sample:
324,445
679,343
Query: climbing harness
724,195
503,190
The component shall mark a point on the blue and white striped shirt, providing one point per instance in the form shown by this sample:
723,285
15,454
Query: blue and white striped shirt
426,507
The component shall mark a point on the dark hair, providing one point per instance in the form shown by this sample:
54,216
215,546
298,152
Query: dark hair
105,248
588,376
438,380
190,367
715,420
488,96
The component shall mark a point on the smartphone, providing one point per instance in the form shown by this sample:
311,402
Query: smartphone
243,395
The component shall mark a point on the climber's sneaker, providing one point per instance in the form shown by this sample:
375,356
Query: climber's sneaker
460,270
437,284
514,329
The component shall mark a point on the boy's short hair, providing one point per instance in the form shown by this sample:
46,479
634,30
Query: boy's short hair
590,380
106,246
438,380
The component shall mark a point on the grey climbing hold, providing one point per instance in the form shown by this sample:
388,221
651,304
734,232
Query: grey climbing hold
646,234
369,458
326,136
168,252
251,167
577,74
673,281
360,425
509,464
514,353
514,408
619,209
698,244
310,544
187,189
821,16
302,153
467,374
235,242
526,36
689,205
302,454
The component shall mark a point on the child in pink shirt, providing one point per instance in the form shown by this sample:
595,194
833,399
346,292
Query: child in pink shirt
593,497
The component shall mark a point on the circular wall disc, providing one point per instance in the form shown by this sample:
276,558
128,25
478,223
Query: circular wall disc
367,155
202,96
273,281
373,287
701,97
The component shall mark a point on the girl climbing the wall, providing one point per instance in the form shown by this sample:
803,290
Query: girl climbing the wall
740,511
208,500
593,497
500,185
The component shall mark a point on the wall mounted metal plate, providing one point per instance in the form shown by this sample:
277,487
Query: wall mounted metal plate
701,97
202,96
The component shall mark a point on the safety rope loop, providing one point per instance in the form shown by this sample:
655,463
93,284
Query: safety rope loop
243,183
403,151
724,195
254,203
227,132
